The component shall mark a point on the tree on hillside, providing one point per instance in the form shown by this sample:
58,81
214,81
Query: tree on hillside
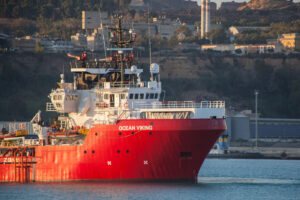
251,37
183,29
218,36
32,9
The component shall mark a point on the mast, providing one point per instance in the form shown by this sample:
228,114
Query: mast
121,45
121,42
102,30
149,33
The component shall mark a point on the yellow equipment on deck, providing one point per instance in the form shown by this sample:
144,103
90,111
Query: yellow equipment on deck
21,132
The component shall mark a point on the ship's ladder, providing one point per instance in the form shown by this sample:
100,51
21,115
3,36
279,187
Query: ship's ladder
22,164
123,115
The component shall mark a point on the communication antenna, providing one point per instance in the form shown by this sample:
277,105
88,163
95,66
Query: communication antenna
150,56
103,37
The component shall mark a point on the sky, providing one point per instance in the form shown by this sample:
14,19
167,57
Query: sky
219,1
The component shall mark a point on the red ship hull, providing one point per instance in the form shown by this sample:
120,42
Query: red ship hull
130,149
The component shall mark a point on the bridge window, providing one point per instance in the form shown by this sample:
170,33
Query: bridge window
155,96
142,96
151,95
130,96
147,96
136,96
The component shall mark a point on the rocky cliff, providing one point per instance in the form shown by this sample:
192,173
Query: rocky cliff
269,5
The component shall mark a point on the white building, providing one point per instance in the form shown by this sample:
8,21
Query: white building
234,30
93,39
244,49
91,19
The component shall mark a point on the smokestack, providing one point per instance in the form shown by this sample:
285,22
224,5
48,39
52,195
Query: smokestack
207,17
203,18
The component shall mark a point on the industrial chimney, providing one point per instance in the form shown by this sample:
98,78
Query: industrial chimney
205,17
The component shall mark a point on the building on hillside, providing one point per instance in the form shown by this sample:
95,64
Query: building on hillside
230,6
166,30
142,28
218,47
259,48
91,20
213,8
166,27
25,43
191,5
59,45
79,40
95,41
137,5
234,30
290,41
243,49
92,39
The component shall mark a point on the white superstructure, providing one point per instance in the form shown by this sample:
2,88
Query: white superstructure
111,89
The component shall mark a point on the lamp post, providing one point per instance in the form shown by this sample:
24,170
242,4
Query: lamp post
256,116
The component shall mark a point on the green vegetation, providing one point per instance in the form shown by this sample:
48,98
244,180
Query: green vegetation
260,36
218,36
49,17
24,86
53,9
235,82
27,79
183,29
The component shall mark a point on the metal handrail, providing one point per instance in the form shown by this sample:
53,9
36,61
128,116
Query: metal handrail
179,104
125,84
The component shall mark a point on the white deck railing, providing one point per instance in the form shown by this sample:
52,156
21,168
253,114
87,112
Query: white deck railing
178,104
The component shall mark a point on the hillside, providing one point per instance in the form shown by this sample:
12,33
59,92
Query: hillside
27,79
166,4
269,5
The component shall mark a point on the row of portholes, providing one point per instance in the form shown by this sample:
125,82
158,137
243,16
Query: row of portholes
118,151
85,151
127,151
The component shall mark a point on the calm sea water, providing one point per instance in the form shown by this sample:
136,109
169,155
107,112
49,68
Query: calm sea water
219,179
